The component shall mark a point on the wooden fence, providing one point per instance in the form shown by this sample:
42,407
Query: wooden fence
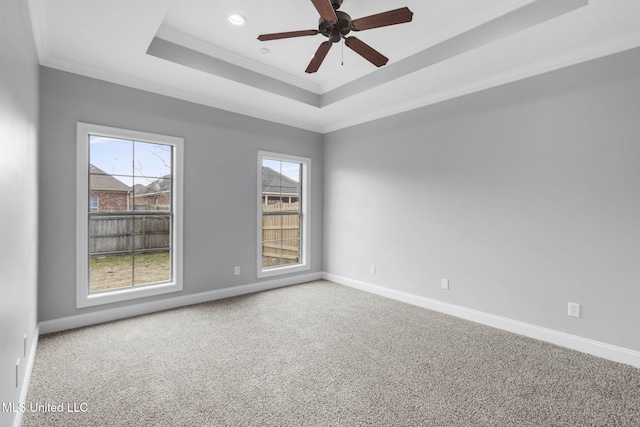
108,234
124,233
280,235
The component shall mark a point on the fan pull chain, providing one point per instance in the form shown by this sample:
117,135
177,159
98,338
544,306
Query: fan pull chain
342,53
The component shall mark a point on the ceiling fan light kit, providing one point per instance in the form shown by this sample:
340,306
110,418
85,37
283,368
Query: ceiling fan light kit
335,25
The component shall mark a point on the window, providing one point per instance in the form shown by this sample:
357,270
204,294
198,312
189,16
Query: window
283,214
94,204
129,214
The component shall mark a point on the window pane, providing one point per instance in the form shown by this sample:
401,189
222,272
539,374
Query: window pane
284,252
152,160
110,272
291,227
152,242
281,240
271,178
152,195
109,234
152,233
110,246
290,178
112,191
271,228
152,267
110,155
271,254
290,252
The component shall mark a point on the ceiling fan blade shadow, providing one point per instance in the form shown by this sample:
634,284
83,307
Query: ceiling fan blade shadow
366,51
319,56
287,35
325,9
391,17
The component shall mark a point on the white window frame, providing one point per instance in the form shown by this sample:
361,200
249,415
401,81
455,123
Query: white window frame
305,195
84,298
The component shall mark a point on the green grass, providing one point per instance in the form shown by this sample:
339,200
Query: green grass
115,271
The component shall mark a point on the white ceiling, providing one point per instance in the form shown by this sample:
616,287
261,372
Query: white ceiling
476,44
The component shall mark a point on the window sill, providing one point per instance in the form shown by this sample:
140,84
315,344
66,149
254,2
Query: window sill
108,297
278,271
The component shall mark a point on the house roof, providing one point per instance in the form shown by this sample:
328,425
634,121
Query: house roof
276,183
102,181
160,185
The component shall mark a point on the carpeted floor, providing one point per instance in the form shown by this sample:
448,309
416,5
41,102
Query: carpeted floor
320,354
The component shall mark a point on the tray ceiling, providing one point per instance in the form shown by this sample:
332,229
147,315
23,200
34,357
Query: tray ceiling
187,49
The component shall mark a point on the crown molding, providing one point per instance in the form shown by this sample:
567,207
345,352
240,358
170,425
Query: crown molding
183,95
609,47
601,50
37,14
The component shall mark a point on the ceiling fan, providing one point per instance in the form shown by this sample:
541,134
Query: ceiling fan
335,25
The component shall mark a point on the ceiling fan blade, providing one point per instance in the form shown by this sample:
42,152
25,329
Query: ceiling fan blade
366,51
325,9
289,34
318,57
392,17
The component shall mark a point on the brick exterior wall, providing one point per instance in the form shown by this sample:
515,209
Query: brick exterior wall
154,201
112,200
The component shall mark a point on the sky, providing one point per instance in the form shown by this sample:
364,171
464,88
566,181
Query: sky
135,162
131,162
292,170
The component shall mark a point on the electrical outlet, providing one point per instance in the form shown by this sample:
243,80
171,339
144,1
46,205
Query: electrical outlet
574,309
372,269
18,373
236,270
444,283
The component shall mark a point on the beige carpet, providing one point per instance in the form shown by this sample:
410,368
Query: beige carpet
320,354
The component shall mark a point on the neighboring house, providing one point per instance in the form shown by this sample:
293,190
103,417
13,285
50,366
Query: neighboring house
153,197
276,186
108,193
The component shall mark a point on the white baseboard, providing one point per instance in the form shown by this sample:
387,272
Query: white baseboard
584,345
27,376
108,315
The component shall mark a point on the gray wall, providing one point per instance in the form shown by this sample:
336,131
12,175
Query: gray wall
220,182
526,197
18,194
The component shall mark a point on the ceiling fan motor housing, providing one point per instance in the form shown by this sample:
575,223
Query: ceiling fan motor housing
336,31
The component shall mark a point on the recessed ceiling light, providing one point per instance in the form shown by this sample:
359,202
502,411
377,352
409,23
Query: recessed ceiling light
237,19
264,51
